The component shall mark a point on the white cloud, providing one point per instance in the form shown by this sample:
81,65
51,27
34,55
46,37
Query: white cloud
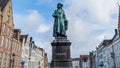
97,9
37,26
32,21
44,1
90,22
43,28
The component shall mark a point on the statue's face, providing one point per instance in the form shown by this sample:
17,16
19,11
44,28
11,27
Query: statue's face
59,6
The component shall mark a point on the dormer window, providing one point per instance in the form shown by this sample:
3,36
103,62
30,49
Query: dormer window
9,9
8,18
15,35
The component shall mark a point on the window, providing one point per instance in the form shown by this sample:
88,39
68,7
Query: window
9,9
4,28
13,45
8,18
0,58
8,32
26,51
11,33
9,44
8,62
17,47
2,41
4,65
76,66
6,43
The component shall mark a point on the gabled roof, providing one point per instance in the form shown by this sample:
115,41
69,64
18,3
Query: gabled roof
109,41
105,42
84,56
116,36
23,36
3,4
17,30
41,49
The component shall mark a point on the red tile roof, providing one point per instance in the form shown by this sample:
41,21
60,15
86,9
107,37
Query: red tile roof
84,56
23,36
41,49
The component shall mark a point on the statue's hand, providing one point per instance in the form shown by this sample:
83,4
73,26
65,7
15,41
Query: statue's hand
66,24
66,21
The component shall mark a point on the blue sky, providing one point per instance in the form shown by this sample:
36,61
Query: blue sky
90,22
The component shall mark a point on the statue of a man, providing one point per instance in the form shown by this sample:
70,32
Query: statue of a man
60,22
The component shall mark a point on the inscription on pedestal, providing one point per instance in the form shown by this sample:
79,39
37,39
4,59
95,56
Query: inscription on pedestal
61,54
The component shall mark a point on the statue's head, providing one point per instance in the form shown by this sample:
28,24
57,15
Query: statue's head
59,5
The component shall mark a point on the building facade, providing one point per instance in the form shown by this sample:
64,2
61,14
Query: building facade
84,61
93,59
25,50
17,49
45,60
10,45
111,53
76,62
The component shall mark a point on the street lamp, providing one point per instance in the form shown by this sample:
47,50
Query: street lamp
30,46
13,55
11,52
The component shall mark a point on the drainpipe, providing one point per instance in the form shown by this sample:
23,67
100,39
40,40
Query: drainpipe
113,56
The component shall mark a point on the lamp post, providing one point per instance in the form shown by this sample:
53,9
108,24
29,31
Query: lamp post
29,63
13,55
30,46
11,52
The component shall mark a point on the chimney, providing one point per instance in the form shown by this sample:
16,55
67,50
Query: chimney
30,39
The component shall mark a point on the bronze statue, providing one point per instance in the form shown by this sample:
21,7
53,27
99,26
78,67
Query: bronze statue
60,22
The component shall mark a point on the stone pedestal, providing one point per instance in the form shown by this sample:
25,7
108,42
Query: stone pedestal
61,53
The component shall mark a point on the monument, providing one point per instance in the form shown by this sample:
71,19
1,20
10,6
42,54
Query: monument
61,45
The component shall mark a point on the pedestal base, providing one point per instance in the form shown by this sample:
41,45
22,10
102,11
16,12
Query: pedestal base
61,53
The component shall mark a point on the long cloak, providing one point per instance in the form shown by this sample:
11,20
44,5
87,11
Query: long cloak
60,23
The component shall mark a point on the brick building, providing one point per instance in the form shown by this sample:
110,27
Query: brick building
45,60
84,61
10,45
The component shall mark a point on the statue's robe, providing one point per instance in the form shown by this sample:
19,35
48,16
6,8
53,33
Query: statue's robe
60,23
